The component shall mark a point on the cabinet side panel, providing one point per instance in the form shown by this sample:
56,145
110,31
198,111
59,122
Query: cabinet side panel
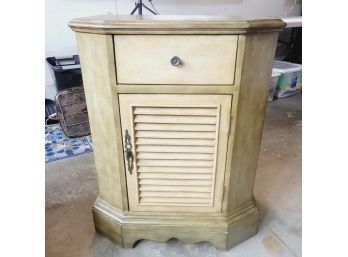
98,71
256,74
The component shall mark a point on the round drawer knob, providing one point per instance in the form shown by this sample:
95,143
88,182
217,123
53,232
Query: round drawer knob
175,61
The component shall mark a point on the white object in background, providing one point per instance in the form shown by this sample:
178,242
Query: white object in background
50,91
50,88
286,67
293,22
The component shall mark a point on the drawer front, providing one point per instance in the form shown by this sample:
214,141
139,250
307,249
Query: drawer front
202,59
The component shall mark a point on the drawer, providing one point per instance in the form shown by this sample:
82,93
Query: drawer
175,59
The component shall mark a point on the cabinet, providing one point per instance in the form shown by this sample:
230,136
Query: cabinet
176,108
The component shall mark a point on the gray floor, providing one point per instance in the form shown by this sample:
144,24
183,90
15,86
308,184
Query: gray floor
71,189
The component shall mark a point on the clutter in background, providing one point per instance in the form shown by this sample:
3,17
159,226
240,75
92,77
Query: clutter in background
50,110
290,82
69,107
66,71
288,78
59,146
72,112
273,85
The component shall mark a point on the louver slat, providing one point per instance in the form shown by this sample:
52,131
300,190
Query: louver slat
164,175
174,141
175,163
176,170
175,156
168,200
174,194
175,149
176,111
175,134
174,127
178,189
175,119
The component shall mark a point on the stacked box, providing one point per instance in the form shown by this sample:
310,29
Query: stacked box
273,85
290,81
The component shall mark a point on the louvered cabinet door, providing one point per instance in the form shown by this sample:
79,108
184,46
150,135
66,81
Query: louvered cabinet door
178,146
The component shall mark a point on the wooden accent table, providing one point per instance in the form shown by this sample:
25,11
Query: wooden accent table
176,107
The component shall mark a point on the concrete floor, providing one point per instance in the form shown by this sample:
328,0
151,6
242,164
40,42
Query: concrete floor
71,189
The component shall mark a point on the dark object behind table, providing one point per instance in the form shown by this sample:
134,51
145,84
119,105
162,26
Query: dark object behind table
50,109
66,70
72,112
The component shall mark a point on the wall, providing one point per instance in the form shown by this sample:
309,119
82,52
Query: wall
60,40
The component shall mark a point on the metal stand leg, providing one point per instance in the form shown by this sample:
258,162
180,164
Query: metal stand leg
147,8
139,6
135,8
